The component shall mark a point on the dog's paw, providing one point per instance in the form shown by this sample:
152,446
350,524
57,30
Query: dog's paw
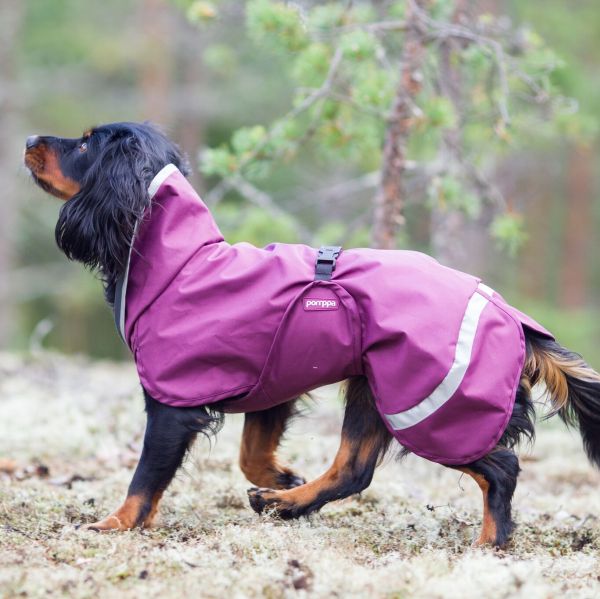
490,542
270,502
258,498
287,479
136,511
109,523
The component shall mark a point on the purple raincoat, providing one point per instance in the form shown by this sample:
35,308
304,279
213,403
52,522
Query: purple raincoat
208,321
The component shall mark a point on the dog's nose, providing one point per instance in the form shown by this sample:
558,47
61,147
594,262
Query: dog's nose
31,141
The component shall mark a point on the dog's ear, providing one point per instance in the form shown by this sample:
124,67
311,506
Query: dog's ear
96,225
165,151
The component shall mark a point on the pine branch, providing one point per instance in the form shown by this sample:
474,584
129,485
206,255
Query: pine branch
263,200
441,31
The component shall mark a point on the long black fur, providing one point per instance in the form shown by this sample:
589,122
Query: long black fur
582,410
521,426
500,468
170,432
96,225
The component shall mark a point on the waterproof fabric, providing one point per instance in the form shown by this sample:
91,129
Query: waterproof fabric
209,321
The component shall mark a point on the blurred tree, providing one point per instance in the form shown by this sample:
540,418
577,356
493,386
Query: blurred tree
414,89
155,72
578,229
447,223
11,17
389,199
80,62
570,230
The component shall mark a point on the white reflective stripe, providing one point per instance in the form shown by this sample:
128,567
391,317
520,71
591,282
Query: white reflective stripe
160,178
486,289
448,387
154,186
124,287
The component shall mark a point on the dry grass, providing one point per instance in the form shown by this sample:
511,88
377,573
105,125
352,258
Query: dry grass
74,429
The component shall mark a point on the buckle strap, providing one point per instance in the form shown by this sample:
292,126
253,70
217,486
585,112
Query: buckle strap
325,264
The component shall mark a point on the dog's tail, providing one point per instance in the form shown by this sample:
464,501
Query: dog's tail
573,388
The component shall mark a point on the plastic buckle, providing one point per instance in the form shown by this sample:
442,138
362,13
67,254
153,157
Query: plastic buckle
326,261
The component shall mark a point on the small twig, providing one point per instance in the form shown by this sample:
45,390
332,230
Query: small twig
42,329
585,520
227,183
485,186
540,94
447,30
345,188
310,100
264,201
340,190
377,27
351,102
501,66
9,528
216,194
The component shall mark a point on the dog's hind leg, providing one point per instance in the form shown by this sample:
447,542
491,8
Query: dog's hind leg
170,432
365,440
496,474
260,439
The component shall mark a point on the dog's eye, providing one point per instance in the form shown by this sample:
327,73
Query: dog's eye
83,146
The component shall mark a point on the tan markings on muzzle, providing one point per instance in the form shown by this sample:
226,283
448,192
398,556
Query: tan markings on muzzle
44,165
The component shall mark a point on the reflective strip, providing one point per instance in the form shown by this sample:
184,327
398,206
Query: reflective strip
483,287
160,178
120,303
462,358
122,288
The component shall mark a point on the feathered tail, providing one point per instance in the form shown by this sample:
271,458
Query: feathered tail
573,388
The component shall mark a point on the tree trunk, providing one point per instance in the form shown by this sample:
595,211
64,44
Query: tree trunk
578,230
11,16
389,201
190,116
449,241
156,68
543,181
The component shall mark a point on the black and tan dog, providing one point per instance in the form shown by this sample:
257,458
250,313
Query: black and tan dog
103,177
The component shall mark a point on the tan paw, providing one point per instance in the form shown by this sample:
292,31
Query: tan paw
271,502
112,522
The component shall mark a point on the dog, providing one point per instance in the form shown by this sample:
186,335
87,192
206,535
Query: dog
432,357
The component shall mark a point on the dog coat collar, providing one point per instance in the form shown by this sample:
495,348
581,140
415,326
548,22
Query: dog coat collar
249,328
121,286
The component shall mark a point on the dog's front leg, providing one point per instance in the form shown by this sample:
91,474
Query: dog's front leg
169,433
260,439
365,440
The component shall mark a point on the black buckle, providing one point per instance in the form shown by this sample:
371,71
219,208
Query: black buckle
326,261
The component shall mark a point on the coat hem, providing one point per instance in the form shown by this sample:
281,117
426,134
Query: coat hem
196,401
496,437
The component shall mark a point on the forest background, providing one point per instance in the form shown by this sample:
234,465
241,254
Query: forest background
510,197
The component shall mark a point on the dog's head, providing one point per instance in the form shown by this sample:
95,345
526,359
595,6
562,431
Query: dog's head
103,177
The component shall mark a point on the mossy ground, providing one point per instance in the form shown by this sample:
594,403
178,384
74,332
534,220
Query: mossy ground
70,432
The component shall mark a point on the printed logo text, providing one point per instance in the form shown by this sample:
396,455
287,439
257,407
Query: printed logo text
316,303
